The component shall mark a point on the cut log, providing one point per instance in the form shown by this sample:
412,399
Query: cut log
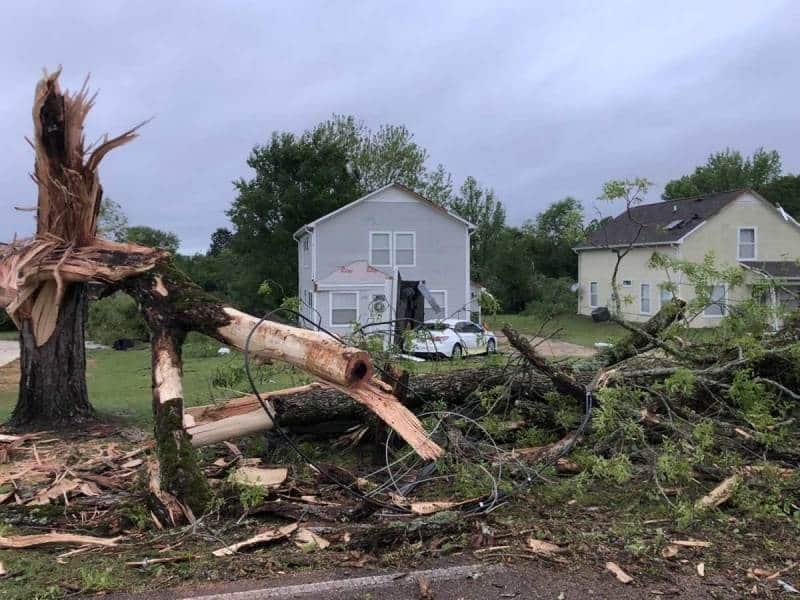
644,337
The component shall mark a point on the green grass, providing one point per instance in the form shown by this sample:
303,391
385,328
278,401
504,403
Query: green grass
576,329
119,382
8,335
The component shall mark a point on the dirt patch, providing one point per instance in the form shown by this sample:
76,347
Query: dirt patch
553,348
9,376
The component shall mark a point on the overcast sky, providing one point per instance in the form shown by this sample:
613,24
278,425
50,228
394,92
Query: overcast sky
538,100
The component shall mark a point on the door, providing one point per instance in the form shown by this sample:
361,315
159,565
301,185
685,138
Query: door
471,337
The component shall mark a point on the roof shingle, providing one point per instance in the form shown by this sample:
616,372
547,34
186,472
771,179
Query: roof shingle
662,222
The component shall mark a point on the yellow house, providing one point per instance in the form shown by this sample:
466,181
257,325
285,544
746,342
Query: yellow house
740,227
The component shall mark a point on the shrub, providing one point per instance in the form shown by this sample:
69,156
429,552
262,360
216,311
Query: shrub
551,296
115,317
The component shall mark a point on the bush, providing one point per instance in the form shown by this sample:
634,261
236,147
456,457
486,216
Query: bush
551,296
113,318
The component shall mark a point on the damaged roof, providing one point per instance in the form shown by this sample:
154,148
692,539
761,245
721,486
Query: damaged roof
663,222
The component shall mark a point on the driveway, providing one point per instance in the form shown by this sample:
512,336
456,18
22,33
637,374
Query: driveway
552,348
9,352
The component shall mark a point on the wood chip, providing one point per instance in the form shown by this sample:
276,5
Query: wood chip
268,478
306,539
543,548
670,550
30,541
691,543
269,535
428,508
621,575
55,491
156,561
701,569
719,495
425,592
132,464
3,571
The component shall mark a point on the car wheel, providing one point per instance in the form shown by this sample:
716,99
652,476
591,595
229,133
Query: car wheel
457,353
491,347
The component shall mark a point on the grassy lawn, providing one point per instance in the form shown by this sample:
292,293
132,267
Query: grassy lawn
576,329
119,382
8,335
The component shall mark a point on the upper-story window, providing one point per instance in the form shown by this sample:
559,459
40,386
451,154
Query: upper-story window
380,248
405,251
306,251
747,243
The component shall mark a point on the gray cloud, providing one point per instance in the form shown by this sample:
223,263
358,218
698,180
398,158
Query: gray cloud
537,101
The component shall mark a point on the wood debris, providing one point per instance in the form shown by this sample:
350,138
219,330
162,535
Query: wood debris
267,478
30,541
543,548
621,575
701,569
270,535
719,495
670,551
691,543
307,540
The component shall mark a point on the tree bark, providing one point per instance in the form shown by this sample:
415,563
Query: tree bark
52,389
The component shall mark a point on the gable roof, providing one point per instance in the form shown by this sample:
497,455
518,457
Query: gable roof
666,222
398,186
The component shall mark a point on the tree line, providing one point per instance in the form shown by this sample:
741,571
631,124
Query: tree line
300,177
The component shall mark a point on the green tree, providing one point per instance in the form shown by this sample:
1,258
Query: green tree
727,170
510,275
377,158
554,233
479,206
155,238
297,179
784,191
112,223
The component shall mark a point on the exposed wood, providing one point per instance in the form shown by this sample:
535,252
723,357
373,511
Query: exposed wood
269,535
646,335
720,494
312,351
61,539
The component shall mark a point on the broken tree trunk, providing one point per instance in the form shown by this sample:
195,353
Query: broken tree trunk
53,375
49,309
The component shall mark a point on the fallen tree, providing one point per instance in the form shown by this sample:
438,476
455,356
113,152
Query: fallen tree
42,283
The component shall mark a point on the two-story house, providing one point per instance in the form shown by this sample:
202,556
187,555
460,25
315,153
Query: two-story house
739,227
391,254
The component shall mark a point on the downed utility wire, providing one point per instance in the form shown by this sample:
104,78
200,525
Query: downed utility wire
481,505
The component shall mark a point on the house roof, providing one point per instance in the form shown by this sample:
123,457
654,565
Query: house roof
398,186
663,223
779,269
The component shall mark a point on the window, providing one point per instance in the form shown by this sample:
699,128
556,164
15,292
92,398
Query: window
344,308
306,251
380,249
747,243
718,305
666,294
440,296
627,283
404,249
593,300
644,298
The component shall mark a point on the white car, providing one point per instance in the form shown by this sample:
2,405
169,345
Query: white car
452,338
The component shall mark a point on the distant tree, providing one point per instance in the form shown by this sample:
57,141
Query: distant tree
554,232
510,274
438,186
479,206
220,240
377,158
785,191
296,180
727,170
112,223
155,238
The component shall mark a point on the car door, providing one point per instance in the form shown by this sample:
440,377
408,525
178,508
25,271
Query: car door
478,338
466,336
